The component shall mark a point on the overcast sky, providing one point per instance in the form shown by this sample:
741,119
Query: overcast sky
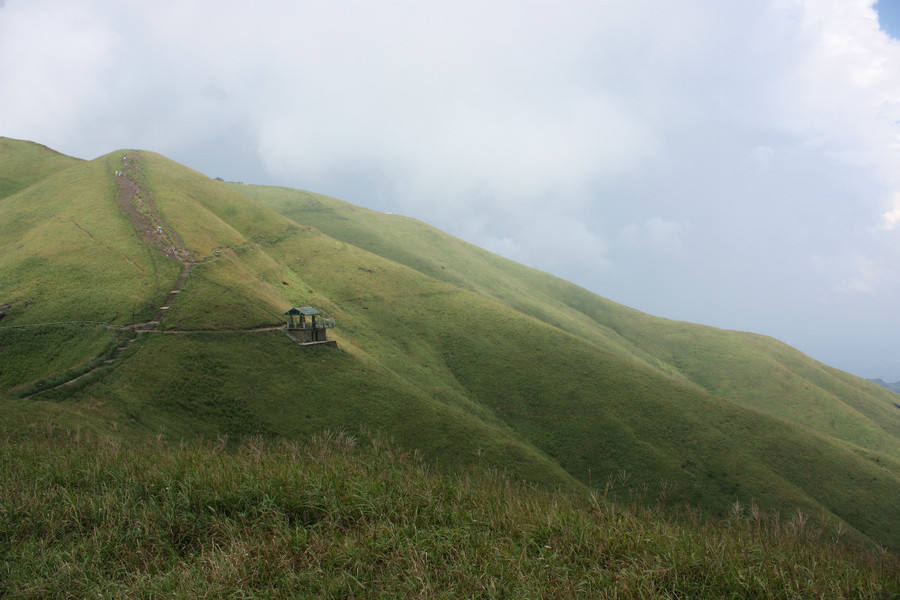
727,163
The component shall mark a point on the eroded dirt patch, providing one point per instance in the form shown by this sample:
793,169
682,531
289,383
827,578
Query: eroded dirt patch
138,204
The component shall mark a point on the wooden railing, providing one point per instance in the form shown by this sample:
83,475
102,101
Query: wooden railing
320,324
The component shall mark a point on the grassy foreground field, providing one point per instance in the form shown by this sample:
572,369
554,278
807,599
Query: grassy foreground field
341,516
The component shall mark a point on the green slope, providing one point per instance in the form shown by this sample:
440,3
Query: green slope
752,370
68,252
451,350
23,163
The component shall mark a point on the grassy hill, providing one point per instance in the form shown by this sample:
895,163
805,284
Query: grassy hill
753,370
894,387
467,357
23,163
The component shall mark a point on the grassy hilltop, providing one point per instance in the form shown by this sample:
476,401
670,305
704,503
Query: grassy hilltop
469,358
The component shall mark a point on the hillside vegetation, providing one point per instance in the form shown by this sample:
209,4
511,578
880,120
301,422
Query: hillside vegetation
461,355
23,163
340,516
752,370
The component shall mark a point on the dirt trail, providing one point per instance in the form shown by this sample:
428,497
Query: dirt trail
138,204
161,313
152,227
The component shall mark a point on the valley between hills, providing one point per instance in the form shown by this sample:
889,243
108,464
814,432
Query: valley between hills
143,302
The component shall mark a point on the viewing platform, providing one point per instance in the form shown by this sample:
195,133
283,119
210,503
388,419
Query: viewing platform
307,327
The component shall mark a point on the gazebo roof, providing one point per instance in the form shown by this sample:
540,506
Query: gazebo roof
303,310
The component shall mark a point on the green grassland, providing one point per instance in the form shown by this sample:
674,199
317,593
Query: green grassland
752,370
68,253
241,287
461,355
46,352
23,163
342,516
208,214
188,384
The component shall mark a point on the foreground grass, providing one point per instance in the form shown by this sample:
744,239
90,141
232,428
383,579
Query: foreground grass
339,517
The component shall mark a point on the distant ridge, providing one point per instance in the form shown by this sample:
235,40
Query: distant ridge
894,387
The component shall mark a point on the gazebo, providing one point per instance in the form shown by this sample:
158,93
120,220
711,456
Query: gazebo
309,331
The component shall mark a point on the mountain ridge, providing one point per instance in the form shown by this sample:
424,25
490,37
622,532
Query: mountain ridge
456,352
894,387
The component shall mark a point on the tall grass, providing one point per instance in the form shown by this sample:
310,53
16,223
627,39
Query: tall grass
348,517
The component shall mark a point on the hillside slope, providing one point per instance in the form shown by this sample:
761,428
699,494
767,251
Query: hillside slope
749,369
894,387
461,354
23,163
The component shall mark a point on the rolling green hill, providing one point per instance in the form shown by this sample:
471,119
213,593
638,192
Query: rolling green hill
23,163
463,355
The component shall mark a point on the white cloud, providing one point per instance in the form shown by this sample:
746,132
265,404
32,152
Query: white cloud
763,155
487,104
859,275
52,66
892,217
655,233
843,91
